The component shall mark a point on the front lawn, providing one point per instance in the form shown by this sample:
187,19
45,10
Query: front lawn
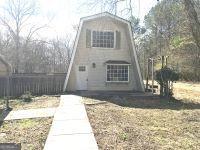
124,122
31,133
44,101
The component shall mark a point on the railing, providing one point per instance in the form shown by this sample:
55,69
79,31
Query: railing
37,84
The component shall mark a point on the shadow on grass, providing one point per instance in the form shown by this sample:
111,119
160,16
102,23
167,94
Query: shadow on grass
146,102
3,115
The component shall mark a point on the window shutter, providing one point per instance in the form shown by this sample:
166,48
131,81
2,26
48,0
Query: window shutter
118,40
88,38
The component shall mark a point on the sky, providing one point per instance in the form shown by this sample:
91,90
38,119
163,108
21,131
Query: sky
62,15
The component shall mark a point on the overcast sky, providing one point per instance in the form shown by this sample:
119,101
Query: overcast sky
66,13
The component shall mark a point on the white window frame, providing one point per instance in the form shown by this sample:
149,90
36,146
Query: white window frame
114,44
117,65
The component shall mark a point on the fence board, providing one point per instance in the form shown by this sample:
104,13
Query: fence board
37,84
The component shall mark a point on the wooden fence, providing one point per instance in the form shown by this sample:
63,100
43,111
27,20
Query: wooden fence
37,84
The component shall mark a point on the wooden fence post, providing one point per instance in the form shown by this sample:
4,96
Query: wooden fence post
8,88
147,79
8,92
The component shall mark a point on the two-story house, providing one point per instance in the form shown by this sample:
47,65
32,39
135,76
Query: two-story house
104,56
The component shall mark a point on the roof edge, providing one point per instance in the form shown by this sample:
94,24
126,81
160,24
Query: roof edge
117,62
102,15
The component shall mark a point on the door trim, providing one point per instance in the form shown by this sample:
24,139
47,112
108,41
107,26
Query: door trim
81,79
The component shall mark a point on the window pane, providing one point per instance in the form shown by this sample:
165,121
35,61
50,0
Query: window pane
81,68
103,39
117,73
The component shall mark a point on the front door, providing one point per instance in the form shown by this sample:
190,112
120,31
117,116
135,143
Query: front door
82,77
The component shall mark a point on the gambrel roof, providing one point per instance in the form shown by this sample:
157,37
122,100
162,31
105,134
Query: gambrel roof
96,16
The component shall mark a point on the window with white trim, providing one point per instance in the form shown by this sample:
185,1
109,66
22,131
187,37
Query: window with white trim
118,73
104,39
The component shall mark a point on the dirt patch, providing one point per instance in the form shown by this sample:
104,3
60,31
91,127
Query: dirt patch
37,102
31,133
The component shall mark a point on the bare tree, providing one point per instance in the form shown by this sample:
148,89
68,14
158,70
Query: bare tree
17,14
105,5
62,54
68,48
112,6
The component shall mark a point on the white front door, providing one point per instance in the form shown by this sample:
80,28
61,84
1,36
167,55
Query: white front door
82,77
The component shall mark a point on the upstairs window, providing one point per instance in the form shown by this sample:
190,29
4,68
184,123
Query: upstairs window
103,39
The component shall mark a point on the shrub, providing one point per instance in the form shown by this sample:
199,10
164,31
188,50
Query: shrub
165,77
27,96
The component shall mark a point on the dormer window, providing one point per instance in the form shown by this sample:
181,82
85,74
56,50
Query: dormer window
103,39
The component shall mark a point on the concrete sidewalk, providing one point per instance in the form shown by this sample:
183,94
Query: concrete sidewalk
71,129
29,113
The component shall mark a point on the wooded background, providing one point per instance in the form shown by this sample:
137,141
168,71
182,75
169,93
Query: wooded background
23,49
171,32
171,28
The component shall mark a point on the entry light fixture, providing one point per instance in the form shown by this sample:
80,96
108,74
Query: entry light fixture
93,65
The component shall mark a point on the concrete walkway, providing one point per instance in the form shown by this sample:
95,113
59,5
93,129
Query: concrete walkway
71,129
29,113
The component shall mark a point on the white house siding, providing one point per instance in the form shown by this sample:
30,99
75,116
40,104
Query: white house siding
87,56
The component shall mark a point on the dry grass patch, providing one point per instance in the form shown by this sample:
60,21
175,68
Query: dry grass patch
117,127
37,102
129,123
31,133
187,91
